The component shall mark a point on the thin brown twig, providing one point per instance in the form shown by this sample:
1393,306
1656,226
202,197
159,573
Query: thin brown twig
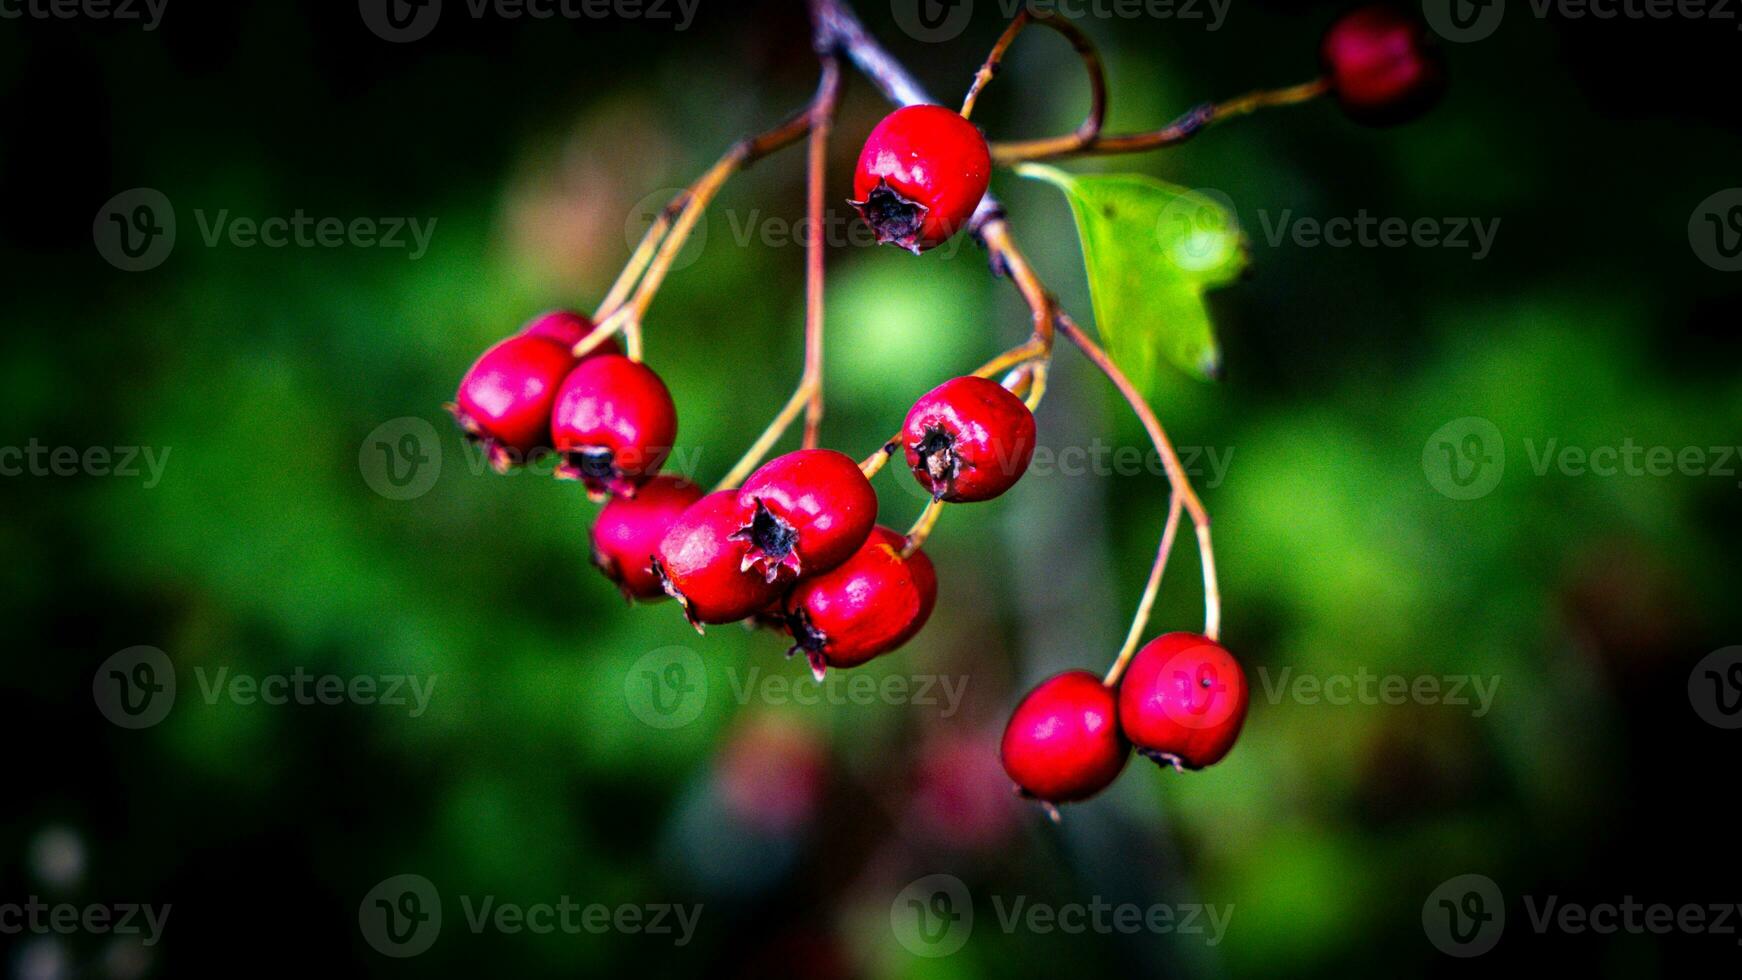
1192,122
1090,128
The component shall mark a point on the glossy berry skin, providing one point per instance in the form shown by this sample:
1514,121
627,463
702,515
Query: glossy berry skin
922,173
968,439
807,512
505,400
700,563
1063,742
613,423
865,608
629,530
1182,700
1382,64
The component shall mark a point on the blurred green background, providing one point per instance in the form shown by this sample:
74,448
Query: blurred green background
796,817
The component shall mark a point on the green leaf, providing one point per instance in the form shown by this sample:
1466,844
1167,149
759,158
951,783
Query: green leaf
1152,249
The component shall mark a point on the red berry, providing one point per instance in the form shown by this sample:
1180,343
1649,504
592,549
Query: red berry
867,607
629,530
1063,742
504,402
806,512
1382,64
701,564
922,173
1182,700
968,439
568,328
614,423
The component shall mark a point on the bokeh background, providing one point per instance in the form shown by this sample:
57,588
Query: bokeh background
542,768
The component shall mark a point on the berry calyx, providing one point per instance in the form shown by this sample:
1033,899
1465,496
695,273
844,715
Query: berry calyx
629,530
1383,65
504,401
1182,701
700,563
920,176
1063,742
867,607
613,423
968,439
806,512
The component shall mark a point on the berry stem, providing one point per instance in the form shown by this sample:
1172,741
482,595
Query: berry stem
623,310
922,527
822,115
1194,121
1176,475
1150,589
1090,128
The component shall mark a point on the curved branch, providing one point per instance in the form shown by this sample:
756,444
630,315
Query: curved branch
1090,128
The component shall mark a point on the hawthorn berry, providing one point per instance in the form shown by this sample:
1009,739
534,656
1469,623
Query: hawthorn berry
614,423
865,608
1182,700
629,530
1063,742
700,563
968,439
504,401
806,512
922,173
1383,65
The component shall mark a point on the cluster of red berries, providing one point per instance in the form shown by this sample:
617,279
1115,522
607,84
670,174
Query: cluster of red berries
797,546
1181,701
